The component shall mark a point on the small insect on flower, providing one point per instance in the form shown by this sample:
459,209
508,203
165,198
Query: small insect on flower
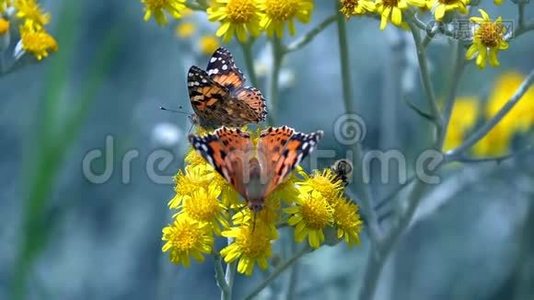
219,96
255,171
343,170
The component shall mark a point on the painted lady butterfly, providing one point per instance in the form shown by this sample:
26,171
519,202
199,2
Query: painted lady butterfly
255,170
219,97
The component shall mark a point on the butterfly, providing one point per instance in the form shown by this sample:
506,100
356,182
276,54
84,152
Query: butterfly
255,170
219,97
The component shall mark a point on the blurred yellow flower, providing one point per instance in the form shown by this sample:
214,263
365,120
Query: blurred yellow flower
185,238
441,7
37,41
391,10
31,12
347,221
249,246
208,44
4,4
279,12
4,26
193,159
498,2
356,7
204,206
519,119
239,18
463,117
185,29
311,214
157,9
488,40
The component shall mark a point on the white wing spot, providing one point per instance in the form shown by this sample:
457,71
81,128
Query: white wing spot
213,59
224,67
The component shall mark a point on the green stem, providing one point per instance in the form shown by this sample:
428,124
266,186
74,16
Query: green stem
456,74
249,61
425,74
308,37
220,278
278,271
278,56
364,191
483,131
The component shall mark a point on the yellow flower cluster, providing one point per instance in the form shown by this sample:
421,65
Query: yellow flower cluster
34,38
239,18
466,112
207,207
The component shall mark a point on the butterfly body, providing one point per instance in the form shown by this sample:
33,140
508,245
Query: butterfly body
219,96
255,170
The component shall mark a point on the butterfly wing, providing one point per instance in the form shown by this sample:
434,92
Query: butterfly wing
227,150
222,69
207,97
282,149
254,100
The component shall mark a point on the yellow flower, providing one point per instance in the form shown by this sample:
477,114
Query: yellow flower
463,118
30,11
36,41
391,10
347,221
157,8
237,17
208,44
441,7
356,7
204,206
4,26
185,238
279,12
194,178
325,182
270,214
185,29
498,2
488,40
311,214
4,4
519,119
249,246
193,159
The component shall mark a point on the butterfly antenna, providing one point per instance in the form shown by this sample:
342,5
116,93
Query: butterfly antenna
174,110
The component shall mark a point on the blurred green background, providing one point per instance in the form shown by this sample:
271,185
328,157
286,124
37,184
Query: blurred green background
64,237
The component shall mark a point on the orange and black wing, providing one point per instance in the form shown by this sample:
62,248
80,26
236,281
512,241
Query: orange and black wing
282,149
227,150
222,69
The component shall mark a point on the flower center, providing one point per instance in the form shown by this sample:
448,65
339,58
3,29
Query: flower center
281,10
203,208
240,11
448,1
316,213
390,3
254,243
490,34
186,237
